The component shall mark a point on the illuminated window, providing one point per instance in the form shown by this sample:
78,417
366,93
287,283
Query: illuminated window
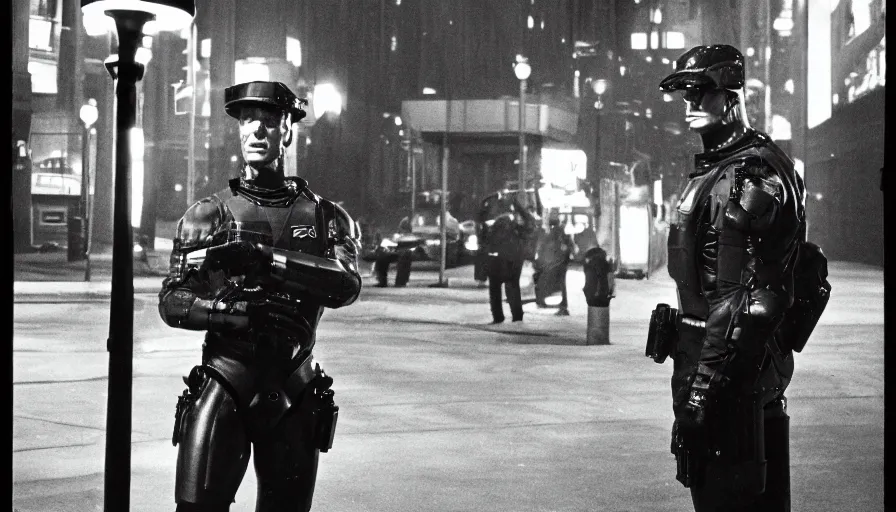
294,51
43,77
639,41
674,40
205,48
40,34
44,8
860,17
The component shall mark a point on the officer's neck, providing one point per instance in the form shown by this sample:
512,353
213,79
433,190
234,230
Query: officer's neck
723,136
269,176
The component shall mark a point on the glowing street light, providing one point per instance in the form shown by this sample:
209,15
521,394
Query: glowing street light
131,18
326,98
88,114
522,70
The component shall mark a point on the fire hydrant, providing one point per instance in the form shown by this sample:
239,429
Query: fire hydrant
599,289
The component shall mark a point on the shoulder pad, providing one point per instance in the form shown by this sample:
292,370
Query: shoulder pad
199,223
345,223
756,185
756,194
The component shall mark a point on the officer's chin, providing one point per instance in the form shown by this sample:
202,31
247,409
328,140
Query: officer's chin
257,158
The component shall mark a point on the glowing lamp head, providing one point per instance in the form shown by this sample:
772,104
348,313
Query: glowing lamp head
599,86
169,15
522,69
89,113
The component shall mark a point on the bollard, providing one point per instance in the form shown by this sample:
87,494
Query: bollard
599,287
75,250
598,332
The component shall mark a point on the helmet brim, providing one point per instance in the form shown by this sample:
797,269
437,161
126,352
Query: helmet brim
686,79
233,108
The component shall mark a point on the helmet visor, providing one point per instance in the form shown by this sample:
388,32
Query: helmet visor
686,79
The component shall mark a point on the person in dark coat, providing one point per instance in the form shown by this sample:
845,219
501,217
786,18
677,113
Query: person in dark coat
505,239
555,247
401,256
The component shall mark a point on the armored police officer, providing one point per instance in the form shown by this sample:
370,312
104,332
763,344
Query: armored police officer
255,265
732,253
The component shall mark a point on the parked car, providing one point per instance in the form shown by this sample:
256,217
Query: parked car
423,236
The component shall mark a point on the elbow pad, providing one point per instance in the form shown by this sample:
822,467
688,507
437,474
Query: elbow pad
182,309
324,280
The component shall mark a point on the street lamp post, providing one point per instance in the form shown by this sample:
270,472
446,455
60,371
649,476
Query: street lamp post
600,87
522,69
130,17
88,115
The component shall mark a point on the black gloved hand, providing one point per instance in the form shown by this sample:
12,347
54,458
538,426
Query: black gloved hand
699,396
277,320
240,258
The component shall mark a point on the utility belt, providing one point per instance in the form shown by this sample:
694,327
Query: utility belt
307,387
666,323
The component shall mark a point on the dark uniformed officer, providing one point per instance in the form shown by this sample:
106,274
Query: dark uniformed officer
254,265
505,242
732,253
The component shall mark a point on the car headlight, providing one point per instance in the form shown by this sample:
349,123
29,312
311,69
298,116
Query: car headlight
472,243
433,242
387,244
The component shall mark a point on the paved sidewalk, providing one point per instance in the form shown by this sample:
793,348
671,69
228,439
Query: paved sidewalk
441,411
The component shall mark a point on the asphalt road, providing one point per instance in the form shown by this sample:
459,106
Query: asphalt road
441,412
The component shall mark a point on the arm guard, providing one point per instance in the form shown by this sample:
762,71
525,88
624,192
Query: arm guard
746,301
188,296
333,281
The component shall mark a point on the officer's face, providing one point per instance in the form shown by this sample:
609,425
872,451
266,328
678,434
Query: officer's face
262,135
705,109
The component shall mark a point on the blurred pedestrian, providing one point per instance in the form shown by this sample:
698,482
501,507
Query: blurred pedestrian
505,239
555,248
401,256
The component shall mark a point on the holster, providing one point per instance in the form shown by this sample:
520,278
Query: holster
325,417
186,400
662,336
311,379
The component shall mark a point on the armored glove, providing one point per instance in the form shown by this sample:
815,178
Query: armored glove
699,397
240,258
240,309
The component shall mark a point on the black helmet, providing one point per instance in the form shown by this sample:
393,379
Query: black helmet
267,94
717,66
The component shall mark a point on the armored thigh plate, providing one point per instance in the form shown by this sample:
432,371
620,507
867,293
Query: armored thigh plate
213,451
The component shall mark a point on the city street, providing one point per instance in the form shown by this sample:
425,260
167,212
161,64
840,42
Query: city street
440,411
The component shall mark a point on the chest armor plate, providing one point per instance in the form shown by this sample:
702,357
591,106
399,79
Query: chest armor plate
298,227
699,207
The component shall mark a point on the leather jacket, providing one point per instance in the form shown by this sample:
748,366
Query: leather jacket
732,252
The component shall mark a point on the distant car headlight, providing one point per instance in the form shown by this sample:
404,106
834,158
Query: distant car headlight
387,244
472,243
433,242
